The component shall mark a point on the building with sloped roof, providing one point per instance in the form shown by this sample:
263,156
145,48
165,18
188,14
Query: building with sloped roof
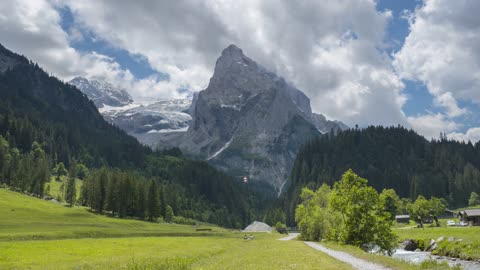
472,216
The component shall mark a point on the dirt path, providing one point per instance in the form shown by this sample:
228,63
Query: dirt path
347,258
289,237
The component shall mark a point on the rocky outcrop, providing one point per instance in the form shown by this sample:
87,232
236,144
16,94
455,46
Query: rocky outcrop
326,126
409,245
249,121
102,93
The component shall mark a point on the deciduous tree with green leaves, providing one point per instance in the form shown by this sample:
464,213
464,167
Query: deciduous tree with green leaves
391,202
437,207
365,222
351,213
419,210
474,199
313,216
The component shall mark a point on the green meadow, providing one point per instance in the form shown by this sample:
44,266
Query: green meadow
467,234
38,234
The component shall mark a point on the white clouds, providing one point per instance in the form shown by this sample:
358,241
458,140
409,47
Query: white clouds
442,48
332,50
447,101
442,51
430,125
472,135
33,28
328,49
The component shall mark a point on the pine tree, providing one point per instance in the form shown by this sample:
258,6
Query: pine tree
70,189
153,202
141,205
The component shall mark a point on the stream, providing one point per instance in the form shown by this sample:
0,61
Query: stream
418,257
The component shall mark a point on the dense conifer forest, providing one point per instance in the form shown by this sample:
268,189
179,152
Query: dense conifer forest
390,157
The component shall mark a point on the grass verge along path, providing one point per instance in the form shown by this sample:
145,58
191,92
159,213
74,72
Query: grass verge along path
347,258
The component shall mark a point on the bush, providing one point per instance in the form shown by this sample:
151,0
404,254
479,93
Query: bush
281,228
183,220
456,249
435,265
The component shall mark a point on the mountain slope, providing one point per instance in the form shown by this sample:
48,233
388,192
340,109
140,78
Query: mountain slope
249,121
36,106
141,120
161,116
102,93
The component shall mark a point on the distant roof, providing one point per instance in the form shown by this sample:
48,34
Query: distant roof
472,212
402,216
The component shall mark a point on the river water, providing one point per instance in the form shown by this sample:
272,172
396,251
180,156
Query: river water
418,257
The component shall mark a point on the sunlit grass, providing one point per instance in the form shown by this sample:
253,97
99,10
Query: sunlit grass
38,234
23,217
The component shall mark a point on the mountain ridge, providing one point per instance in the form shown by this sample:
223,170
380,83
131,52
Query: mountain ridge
249,121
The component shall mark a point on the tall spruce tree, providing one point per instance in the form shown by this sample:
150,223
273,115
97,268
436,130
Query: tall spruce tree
70,189
153,202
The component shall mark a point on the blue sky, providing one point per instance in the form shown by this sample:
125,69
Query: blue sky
137,64
360,61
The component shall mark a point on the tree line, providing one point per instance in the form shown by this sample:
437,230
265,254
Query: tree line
391,158
24,172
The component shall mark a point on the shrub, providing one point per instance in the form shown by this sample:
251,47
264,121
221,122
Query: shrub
183,220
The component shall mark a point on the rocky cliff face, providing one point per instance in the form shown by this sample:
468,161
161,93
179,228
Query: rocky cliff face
102,93
141,120
249,121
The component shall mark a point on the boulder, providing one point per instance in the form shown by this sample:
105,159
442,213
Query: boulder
432,246
410,245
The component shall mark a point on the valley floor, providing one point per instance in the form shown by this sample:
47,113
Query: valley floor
36,234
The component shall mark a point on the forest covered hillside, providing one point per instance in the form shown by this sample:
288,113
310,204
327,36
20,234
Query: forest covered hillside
390,157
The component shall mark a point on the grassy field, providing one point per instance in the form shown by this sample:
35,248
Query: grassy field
37,234
468,234
226,252
26,218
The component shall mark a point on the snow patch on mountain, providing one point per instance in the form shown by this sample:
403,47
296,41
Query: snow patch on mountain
102,92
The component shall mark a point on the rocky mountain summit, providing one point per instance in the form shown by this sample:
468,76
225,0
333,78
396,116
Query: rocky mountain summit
141,120
102,93
249,121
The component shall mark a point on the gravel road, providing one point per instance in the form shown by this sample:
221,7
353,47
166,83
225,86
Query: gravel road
347,258
289,237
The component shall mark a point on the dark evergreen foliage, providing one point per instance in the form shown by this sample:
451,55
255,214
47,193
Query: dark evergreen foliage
390,157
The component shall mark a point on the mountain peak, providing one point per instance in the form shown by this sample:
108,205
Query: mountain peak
231,55
232,49
102,92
